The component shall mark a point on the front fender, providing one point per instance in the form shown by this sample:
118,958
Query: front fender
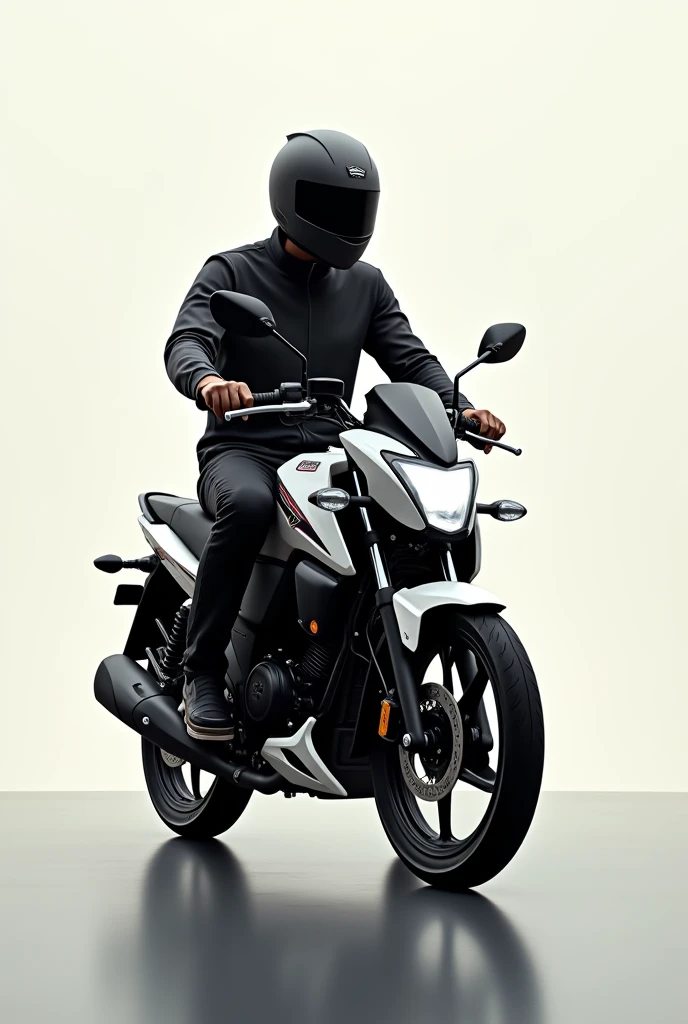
411,604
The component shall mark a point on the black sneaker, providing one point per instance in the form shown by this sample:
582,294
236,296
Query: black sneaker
207,713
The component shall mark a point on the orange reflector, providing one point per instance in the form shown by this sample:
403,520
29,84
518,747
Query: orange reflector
384,718
314,626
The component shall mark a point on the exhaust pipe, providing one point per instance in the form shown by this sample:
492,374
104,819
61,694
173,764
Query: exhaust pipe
132,695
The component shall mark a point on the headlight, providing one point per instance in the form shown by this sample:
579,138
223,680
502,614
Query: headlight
445,496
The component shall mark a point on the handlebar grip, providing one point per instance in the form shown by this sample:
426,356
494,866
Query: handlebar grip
470,424
267,397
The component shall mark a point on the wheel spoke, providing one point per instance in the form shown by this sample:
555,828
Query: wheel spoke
473,682
483,779
446,660
444,813
196,781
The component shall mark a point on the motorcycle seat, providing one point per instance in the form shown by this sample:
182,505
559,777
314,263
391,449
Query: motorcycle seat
184,516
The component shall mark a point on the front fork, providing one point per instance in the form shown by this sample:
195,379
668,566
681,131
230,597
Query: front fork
414,736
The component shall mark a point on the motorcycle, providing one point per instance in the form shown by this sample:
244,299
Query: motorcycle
364,661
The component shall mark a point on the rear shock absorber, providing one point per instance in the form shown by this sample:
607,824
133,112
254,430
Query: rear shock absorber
166,661
171,660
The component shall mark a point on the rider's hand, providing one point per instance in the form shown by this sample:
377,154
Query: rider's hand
490,425
222,396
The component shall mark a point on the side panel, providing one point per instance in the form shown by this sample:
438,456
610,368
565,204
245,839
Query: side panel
174,554
364,447
305,526
411,604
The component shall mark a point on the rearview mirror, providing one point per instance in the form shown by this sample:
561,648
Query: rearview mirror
502,341
241,313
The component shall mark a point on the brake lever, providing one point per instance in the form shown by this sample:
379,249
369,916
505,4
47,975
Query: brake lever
478,441
283,407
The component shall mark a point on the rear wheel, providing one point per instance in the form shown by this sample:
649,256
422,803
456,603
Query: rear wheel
457,817
191,802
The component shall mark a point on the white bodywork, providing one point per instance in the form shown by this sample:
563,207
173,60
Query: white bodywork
321,778
299,484
384,486
181,563
411,604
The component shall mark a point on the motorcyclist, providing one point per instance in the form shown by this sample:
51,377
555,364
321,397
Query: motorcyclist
324,190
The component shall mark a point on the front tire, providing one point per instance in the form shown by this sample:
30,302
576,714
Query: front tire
500,661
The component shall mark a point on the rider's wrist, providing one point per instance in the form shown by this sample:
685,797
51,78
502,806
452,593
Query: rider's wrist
206,379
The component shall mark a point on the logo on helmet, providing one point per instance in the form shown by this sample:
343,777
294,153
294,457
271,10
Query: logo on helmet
356,172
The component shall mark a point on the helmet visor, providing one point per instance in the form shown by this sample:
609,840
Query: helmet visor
346,212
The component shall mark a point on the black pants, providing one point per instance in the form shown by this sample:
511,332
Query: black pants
237,488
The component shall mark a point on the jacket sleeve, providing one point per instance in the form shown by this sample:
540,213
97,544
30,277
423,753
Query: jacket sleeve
192,346
402,355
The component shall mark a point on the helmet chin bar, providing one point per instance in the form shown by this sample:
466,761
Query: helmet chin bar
353,242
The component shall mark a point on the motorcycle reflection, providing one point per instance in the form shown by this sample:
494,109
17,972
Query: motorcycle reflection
205,948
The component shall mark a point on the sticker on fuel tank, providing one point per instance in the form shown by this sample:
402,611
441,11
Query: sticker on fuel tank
295,517
307,467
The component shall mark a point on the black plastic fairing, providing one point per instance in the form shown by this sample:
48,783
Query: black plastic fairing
319,600
161,598
415,416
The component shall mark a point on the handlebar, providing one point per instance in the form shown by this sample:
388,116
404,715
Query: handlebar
469,430
289,398
273,402
266,397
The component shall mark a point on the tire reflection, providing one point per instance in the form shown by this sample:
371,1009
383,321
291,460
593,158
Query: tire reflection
204,948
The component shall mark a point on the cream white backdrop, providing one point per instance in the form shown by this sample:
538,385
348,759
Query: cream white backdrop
533,164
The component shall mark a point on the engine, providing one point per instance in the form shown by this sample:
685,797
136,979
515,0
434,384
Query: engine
280,694
270,695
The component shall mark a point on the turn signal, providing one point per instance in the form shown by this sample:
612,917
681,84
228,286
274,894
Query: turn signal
313,627
332,499
507,511
384,718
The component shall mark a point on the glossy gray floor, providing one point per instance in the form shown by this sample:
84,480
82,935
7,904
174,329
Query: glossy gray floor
302,914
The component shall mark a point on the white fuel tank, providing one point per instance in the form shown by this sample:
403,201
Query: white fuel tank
305,526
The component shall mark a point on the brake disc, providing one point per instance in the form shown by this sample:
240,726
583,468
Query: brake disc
432,776
171,760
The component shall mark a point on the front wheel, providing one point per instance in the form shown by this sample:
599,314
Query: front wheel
457,817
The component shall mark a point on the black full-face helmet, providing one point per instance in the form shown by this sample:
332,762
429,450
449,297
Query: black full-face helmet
324,190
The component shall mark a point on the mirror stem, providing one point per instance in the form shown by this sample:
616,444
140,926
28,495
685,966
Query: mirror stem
304,372
462,373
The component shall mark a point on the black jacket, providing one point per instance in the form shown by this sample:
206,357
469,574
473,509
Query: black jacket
330,315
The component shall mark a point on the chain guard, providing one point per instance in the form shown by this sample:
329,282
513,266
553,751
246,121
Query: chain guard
436,699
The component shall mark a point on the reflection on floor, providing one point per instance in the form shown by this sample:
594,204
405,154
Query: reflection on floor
302,914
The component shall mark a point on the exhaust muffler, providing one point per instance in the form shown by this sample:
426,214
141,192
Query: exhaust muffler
132,695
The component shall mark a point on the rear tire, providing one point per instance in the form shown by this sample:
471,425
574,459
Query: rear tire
447,862
188,815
